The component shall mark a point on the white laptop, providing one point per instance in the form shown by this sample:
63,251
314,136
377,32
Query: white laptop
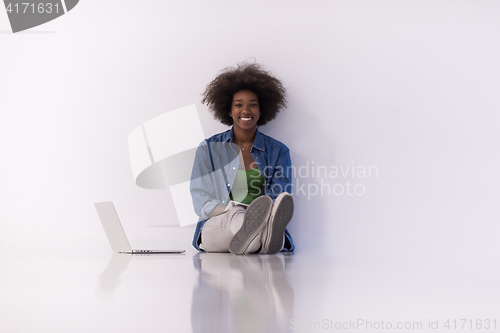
114,230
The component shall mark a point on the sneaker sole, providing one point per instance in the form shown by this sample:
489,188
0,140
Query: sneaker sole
278,222
255,218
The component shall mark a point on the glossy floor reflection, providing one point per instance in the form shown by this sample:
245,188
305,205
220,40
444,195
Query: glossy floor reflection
242,293
201,292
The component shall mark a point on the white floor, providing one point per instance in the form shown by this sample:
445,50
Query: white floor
195,292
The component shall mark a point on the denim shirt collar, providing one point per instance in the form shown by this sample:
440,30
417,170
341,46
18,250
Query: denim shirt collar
258,142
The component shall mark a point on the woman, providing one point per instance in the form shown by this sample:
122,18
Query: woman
243,165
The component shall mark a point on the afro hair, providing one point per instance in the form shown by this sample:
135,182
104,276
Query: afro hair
218,95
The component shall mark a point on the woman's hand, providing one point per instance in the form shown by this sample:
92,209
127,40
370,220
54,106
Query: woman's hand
219,209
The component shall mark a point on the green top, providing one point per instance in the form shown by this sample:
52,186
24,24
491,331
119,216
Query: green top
247,185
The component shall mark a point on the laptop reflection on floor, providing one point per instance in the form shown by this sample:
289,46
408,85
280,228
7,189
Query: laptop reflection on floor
116,235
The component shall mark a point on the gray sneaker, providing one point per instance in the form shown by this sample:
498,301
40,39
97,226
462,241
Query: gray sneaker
281,215
255,218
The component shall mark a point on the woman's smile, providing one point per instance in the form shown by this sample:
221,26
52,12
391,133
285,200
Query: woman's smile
245,110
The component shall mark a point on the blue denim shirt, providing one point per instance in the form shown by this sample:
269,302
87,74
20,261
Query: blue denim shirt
215,167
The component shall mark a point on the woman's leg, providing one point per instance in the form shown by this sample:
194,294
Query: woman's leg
273,236
217,231
238,231
256,217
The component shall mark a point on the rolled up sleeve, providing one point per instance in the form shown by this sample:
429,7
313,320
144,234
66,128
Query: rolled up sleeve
202,185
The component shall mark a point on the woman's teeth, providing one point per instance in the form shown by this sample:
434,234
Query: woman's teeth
245,119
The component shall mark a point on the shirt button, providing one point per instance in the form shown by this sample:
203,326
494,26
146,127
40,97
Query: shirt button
234,168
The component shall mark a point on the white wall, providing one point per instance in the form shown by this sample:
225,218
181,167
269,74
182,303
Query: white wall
410,87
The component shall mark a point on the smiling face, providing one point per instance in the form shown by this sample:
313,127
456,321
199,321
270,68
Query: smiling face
245,110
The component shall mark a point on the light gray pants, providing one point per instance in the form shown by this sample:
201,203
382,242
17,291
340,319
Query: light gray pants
218,231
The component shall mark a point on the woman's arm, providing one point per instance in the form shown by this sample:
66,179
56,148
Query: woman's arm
281,177
202,185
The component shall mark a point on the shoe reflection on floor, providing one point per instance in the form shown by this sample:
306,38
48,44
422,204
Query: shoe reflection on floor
242,293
